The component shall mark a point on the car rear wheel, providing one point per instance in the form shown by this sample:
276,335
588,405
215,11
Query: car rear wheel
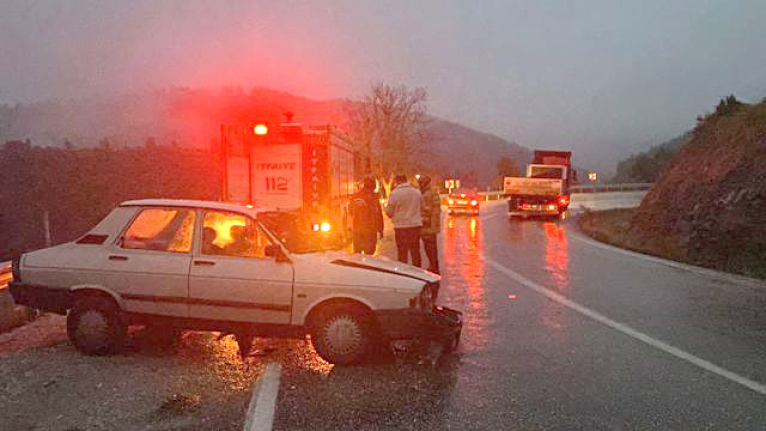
342,335
94,326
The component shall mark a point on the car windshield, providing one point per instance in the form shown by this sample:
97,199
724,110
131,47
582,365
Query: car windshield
295,230
551,172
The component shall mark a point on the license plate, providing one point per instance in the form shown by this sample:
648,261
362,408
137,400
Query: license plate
462,202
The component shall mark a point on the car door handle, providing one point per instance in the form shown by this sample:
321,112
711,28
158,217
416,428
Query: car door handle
116,257
204,263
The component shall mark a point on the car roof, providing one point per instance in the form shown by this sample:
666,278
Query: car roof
215,205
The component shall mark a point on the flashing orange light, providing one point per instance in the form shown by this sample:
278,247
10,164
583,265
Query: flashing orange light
563,200
260,129
323,227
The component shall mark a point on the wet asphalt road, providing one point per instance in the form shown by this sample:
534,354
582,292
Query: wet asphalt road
530,363
526,362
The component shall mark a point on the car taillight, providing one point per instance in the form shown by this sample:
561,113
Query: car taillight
474,202
563,200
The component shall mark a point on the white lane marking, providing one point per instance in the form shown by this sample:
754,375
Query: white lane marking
260,412
640,336
718,275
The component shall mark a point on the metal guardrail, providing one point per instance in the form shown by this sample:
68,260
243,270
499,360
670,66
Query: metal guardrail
492,195
604,188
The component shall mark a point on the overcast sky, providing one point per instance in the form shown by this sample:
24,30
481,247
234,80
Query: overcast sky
604,78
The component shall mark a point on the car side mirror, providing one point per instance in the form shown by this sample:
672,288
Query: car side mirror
275,251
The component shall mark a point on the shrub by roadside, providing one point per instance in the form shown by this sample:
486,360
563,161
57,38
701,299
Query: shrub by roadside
12,315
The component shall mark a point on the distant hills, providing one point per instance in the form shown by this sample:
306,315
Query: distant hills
647,166
190,118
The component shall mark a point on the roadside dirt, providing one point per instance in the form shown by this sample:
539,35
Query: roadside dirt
196,384
613,227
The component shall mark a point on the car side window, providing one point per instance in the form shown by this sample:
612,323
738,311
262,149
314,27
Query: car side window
229,234
161,229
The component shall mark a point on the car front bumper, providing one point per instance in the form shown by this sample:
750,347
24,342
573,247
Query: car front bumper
440,324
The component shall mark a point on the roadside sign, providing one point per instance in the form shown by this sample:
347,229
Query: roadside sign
593,176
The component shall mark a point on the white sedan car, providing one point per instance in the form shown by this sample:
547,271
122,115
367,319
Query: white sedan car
217,266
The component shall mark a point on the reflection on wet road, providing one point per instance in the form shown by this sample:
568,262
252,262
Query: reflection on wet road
463,259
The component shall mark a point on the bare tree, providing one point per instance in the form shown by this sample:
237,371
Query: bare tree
391,122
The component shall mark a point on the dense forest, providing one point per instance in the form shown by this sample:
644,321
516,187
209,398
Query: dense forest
78,186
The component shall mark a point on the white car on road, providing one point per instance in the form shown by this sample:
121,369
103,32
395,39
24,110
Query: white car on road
218,266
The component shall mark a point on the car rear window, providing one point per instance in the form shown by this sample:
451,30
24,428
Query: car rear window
92,239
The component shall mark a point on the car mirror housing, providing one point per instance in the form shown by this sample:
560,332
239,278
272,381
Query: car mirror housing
275,251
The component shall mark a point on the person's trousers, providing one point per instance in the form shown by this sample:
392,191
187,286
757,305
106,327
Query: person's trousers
432,252
365,242
408,243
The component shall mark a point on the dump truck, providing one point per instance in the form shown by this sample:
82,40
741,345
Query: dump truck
544,191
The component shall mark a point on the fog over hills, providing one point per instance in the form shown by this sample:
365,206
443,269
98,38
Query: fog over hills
191,118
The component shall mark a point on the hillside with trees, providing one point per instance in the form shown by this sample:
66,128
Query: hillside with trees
77,187
708,207
646,167
191,118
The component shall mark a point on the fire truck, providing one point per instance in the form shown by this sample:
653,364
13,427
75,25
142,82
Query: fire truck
306,174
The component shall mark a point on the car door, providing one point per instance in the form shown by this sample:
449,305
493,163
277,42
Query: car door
149,264
232,279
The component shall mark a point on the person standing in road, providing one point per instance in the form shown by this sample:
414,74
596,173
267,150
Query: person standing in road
432,211
366,218
404,207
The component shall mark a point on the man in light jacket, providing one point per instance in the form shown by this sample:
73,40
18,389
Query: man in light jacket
404,207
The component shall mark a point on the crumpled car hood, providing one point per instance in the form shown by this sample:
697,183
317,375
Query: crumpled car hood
382,264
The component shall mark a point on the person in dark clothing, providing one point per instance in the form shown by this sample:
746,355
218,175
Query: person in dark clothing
431,212
366,218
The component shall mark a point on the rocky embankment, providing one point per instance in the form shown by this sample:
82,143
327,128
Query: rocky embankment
709,207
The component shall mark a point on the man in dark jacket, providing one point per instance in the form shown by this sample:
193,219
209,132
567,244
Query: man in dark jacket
366,218
431,212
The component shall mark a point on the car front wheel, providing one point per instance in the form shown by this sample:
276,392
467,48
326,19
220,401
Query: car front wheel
342,335
94,326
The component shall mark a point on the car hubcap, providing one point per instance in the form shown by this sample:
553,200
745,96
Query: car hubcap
93,327
343,335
